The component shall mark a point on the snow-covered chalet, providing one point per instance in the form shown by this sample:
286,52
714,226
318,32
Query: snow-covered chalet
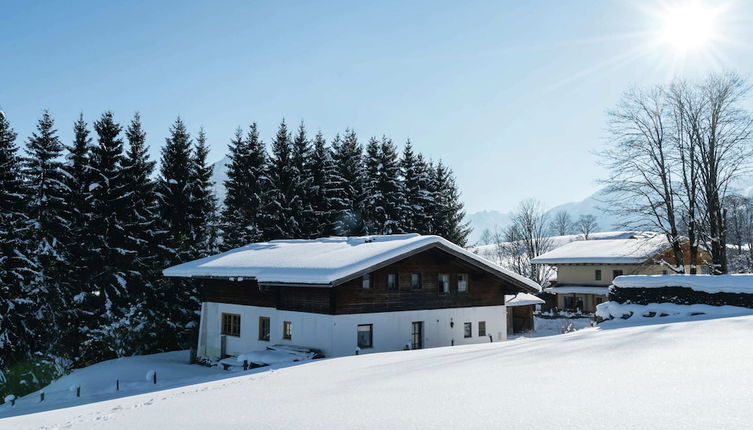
348,295
586,268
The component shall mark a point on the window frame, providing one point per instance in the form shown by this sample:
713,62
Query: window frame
467,330
366,281
233,318
420,283
482,325
597,274
446,287
467,279
371,336
287,330
269,328
396,285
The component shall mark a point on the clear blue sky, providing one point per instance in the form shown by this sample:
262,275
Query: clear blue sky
513,95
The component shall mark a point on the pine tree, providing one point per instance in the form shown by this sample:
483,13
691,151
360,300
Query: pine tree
15,314
449,215
322,188
349,182
283,204
245,189
303,211
49,224
204,208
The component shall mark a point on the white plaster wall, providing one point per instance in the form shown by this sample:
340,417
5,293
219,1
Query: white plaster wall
336,335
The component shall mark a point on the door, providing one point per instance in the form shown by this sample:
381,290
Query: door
417,337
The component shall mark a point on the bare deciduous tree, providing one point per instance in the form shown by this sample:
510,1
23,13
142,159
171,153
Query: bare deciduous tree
525,239
562,223
586,225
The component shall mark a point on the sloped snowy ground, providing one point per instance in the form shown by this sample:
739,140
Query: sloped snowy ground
677,374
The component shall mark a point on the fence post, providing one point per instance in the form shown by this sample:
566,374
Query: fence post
41,397
117,385
78,391
154,377
245,364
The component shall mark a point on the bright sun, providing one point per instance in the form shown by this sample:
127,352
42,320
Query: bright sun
688,27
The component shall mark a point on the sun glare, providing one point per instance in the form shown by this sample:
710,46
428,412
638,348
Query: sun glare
689,27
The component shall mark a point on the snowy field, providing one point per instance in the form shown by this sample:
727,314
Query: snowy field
687,372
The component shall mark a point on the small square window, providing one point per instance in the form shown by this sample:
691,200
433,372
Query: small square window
443,283
597,274
287,330
482,328
462,283
365,336
366,281
415,281
231,324
467,330
264,328
392,281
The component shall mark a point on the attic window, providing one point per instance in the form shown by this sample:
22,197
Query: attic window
366,281
415,281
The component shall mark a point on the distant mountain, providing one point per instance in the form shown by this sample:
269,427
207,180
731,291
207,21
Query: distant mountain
219,176
588,206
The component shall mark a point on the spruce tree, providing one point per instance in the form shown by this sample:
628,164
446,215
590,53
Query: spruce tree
283,204
15,312
204,208
303,210
322,189
370,210
174,196
245,189
417,189
112,255
49,225
391,194
349,182
449,215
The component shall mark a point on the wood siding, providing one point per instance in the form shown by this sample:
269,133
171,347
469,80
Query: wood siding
484,289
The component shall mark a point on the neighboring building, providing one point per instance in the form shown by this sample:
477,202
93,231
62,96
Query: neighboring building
520,310
586,268
342,295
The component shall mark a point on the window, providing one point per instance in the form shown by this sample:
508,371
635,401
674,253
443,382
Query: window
287,330
482,328
462,283
366,281
597,274
264,328
443,283
616,273
417,335
467,330
365,336
231,324
415,281
392,281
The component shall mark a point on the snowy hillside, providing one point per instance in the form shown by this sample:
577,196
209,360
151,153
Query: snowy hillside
617,377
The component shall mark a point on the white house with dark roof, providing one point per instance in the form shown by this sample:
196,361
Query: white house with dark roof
586,268
341,295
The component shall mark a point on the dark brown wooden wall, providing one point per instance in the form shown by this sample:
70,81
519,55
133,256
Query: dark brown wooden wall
484,289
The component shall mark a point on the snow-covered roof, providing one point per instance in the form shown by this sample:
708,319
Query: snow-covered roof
634,250
577,289
327,261
523,299
707,283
